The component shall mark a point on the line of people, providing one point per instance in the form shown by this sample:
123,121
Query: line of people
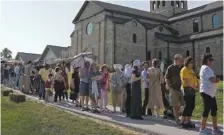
125,84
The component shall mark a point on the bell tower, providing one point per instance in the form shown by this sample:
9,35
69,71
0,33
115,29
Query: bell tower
167,8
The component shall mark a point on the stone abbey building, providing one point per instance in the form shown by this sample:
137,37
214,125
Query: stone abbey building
118,34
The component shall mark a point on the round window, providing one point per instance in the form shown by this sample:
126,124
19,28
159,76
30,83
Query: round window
89,28
134,23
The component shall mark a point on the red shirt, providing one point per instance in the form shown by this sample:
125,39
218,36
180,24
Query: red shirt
48,83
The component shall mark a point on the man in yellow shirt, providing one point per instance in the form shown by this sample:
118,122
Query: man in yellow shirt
44,72
190,86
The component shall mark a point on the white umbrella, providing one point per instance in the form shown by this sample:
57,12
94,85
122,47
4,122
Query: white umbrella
78,60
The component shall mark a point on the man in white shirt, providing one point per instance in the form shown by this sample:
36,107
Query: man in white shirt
208,88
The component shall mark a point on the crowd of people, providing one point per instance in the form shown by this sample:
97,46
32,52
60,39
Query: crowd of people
90,87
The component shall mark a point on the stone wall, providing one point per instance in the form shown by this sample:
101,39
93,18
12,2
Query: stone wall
125,48
216,49
185,26
80,40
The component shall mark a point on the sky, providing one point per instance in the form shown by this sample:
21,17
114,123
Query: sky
28,26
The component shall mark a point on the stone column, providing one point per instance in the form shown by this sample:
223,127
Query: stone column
185,5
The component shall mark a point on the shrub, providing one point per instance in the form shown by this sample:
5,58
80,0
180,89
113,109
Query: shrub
6,92
16,97
220,86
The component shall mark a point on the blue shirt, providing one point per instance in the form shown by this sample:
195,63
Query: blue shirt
144,78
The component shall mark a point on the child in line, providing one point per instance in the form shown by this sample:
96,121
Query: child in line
48,88
104,83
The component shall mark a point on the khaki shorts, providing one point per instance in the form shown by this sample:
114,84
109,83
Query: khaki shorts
176,97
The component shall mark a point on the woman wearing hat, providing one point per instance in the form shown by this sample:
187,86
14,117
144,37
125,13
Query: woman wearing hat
136,100
116,86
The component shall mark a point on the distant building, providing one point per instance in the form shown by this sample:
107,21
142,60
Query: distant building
118,34
52,52
25,57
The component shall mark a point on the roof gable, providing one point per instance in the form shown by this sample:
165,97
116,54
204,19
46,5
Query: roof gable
88,9
137,21
131,11
27,56
123,10
55,49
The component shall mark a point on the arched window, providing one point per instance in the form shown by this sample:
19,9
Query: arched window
148,55
134,38
215,21
182,4
158,4
163,3
207,49
177,4
154,5
187,53
195,26
172,3
160,55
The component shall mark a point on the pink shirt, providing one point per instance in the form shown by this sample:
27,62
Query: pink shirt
105,81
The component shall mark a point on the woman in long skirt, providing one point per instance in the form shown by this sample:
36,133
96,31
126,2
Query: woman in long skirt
136,100
155,76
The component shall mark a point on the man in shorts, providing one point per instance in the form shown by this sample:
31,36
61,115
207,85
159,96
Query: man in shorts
173,83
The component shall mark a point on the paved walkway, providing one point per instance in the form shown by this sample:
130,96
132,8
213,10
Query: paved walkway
150,125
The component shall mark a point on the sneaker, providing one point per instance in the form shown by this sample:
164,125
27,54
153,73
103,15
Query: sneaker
97,111
88,109
93,111
217,132
204,132
83,109
178,122
191,125
184,125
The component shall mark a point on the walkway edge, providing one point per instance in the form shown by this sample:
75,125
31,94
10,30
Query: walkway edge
141,131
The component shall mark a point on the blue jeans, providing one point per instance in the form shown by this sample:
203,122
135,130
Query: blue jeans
42,89
17,80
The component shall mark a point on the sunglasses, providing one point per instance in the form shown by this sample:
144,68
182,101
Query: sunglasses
211,59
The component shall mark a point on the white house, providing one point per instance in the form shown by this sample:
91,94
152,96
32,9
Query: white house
52,52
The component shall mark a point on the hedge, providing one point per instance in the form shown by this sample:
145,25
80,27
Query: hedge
16,97
6,92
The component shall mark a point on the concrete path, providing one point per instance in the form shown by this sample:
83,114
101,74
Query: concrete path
149,126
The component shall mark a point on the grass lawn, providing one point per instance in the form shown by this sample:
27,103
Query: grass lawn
32,118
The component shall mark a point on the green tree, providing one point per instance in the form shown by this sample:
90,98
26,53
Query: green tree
6,53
